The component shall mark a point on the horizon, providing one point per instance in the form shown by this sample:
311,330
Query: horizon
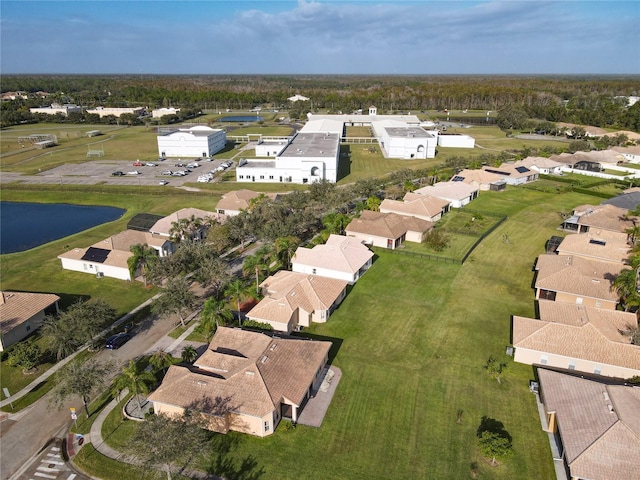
325,37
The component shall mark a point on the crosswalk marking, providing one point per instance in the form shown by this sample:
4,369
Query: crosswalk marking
46,469
53,454
46,460
55,449
38,474
72,476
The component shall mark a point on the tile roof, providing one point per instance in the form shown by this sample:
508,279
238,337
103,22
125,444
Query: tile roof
387,225
599,425
236,200
289,291
576,331
478,176
511,170
415,205
604,246
18,307
339,253
606,217
448,190
246,372
540,162
576,275
164,226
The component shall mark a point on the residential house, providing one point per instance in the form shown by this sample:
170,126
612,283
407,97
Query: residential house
424,207
458,194
387,230
628,199
628,154
108,258
22,313
603,246
166,227
576,337
245,381
595,423
542,165
482,179
514,174
293,300
232,203
573,279
342,258
585,218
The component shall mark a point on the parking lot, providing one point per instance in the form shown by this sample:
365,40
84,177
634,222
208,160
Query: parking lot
101,171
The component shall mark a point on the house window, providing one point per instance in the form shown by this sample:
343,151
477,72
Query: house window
598,370
544,359
270,177
266,426
261,177
314,271
241,177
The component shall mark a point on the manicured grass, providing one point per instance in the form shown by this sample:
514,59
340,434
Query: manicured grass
117,429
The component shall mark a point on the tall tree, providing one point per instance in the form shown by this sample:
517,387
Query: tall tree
135,379
161,360
176,299
144,257
189,354
167,441
214,313
285,248
237,290
80,378
335,222
625,284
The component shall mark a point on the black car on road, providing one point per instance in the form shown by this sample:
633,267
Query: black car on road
116,341
117,174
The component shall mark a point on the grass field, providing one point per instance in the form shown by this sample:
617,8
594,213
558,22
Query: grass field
412,338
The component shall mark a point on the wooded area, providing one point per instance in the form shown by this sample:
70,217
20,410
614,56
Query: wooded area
585,100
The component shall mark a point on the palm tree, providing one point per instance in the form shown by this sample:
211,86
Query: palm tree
626,286
237,290
185,228
335,222
214,313
258,263
160,360
135,379
144,257
285,248
373,203
189,354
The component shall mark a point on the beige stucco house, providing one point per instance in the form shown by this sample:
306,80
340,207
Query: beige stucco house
164,227
21,313
458,194
232,203
480,178
604,246
573,279
293,300
589,218
387,230
514,174
425,207
595,424
245,381
342,258
580,338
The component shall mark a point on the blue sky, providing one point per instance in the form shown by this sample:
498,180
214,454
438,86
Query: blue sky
320,37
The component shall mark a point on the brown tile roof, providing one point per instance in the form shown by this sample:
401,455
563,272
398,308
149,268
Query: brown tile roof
339,253
604,246
576,275
605,217
289,291
576,331
18,307
251,372
415,205
478,176
236,200
387,225
598,424
540,162
164,225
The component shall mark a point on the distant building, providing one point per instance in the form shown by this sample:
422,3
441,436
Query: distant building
198,141
298,98
116,112
55,108
161,112
455,140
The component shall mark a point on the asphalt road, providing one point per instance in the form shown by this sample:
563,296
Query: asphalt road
25,433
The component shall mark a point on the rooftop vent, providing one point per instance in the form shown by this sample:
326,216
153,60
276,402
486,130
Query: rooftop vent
605,395
201,383
264,359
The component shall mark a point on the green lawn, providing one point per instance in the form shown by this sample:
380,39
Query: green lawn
412,338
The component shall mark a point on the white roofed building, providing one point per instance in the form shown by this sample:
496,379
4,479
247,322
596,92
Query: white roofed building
161,112
198,141
55,108
116,112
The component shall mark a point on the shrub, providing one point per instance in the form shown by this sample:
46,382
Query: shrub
436,240
25,355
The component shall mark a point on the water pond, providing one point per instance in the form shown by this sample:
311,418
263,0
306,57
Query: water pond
28,225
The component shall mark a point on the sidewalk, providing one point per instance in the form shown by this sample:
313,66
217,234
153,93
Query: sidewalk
45,375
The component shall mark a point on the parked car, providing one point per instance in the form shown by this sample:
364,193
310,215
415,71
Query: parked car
151,164
163,182
133,172
117,174
138,163
167,172
179,173
180,165
193,165
116,341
